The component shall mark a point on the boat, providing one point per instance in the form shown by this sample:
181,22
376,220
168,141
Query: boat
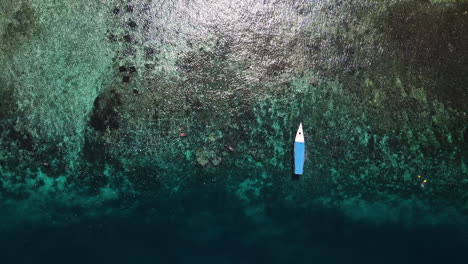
299,151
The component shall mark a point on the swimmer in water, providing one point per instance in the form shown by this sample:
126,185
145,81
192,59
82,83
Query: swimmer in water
423,184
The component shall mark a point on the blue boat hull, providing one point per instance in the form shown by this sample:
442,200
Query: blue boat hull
299,153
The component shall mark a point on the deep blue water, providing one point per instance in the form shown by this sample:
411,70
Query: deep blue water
226,235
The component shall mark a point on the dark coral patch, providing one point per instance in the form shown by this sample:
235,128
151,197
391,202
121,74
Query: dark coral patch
105,115
127,38
132,24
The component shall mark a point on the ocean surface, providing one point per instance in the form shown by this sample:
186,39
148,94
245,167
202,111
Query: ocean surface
196,232
162,131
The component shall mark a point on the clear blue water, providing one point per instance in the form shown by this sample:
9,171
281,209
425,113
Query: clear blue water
162,131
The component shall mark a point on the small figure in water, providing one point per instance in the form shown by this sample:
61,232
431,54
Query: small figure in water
423,184
230,148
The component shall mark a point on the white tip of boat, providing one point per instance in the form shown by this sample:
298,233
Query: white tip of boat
299,134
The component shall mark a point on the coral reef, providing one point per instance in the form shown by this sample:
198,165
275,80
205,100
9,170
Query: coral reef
122,103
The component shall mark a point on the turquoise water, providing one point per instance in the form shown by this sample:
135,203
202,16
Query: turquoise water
146,131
